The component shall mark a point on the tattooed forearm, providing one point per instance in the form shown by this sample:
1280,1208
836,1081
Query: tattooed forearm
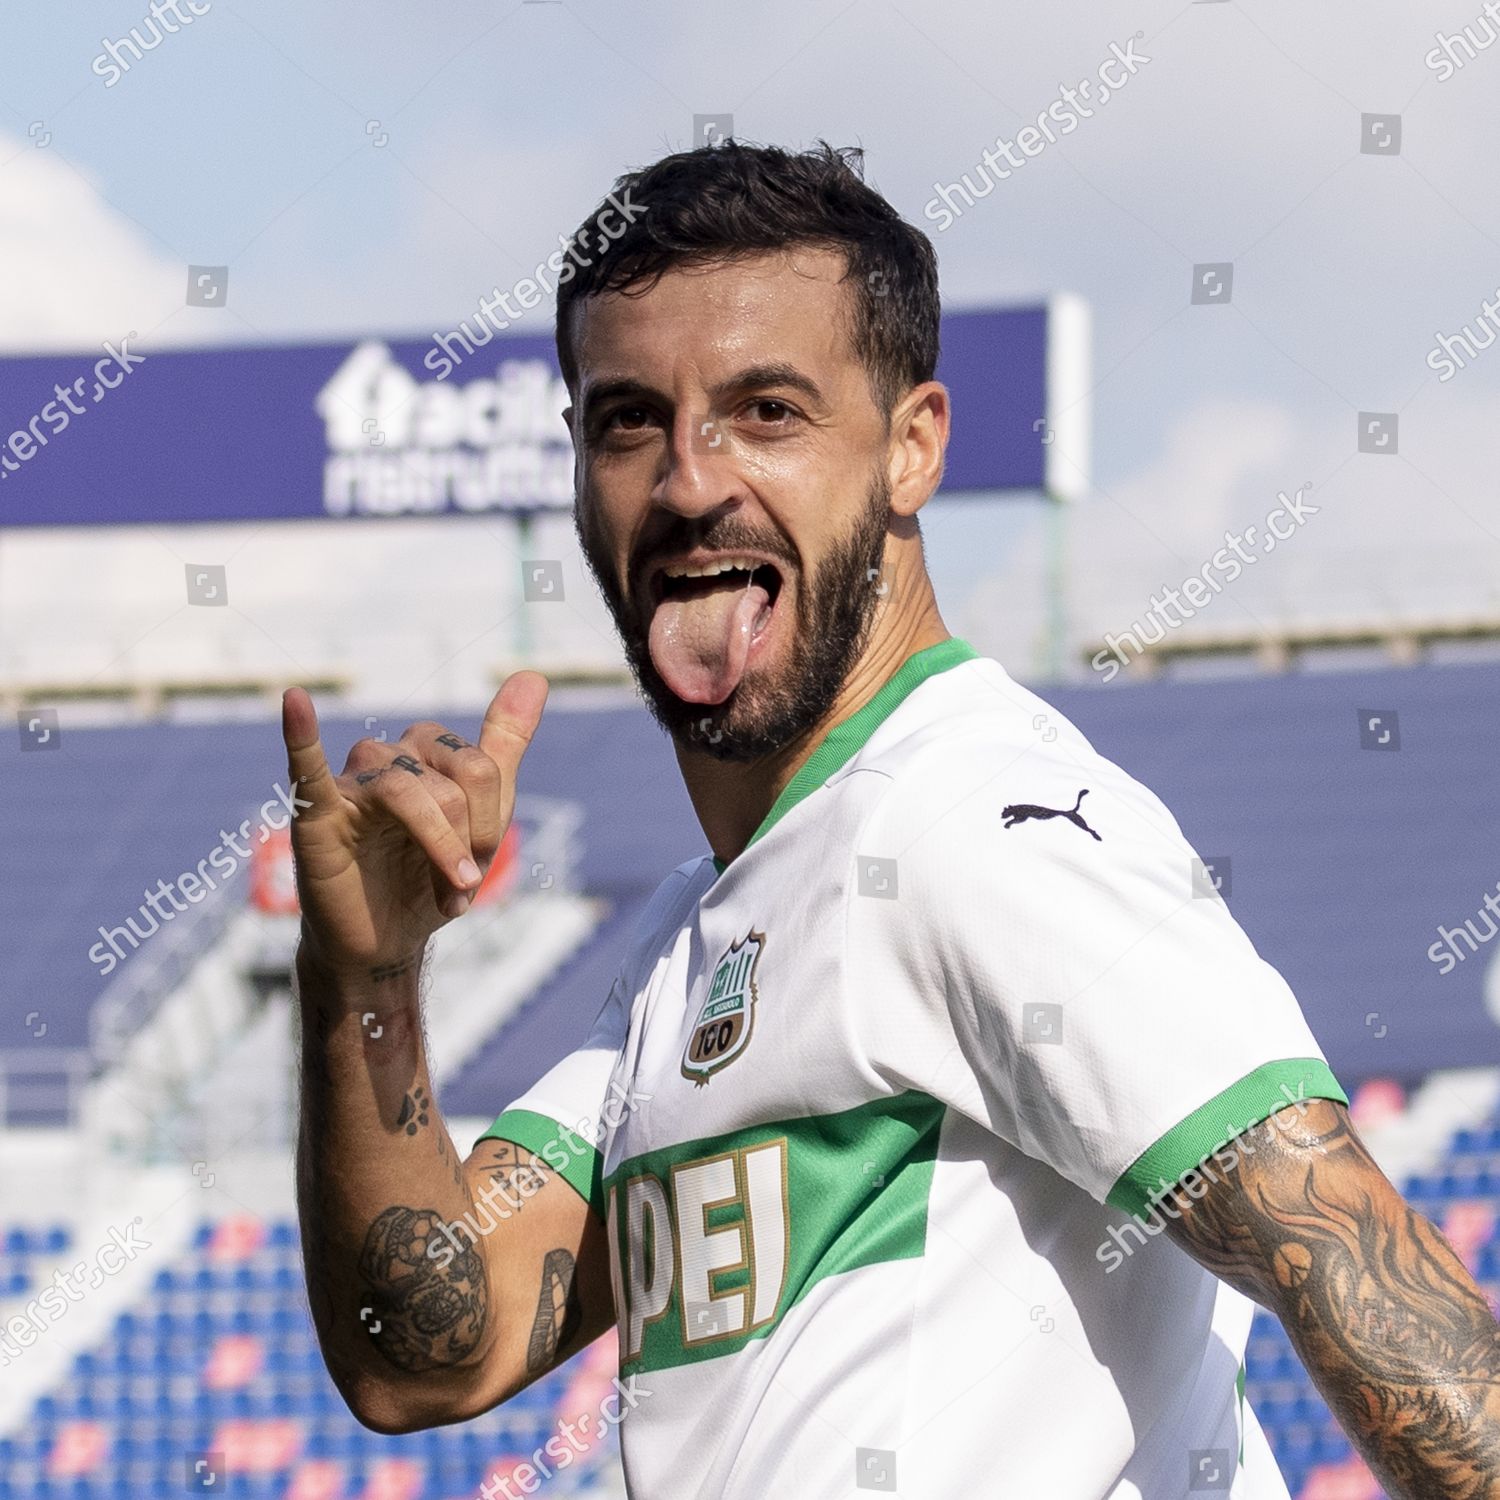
426,1312
558,1312
1393,1329
399,1295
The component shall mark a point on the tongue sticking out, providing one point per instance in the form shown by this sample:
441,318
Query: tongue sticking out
700,644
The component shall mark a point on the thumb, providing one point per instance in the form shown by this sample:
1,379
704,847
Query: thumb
511,720
306,763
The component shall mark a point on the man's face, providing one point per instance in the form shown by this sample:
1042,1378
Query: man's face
732,492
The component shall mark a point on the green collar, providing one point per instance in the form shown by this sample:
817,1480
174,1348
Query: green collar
850,735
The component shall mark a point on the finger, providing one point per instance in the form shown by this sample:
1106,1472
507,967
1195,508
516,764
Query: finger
450,797
511,720
306,763
400,795
475,775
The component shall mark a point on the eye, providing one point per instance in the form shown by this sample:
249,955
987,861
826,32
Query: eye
627,419
622,426
773,412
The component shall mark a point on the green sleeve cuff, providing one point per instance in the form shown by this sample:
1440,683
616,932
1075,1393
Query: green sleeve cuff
1211,1126
563,1150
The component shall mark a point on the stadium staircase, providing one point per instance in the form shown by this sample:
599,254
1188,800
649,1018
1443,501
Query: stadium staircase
213,1384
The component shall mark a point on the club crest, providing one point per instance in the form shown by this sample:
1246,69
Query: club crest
722,1030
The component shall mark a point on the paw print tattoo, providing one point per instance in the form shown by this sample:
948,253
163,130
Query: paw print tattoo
414,1109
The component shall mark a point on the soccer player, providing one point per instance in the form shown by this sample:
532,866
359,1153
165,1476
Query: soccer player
934,1137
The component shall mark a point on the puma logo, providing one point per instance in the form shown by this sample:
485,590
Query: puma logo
1018,812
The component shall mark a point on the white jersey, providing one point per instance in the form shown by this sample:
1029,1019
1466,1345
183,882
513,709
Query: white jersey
883,1105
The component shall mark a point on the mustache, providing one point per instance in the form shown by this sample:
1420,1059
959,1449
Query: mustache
725,535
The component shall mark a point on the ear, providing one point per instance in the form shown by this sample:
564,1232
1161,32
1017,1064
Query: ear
918,440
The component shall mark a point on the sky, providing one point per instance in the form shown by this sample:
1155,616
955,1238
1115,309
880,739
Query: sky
376,169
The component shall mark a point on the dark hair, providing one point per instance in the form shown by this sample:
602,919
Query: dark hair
732,200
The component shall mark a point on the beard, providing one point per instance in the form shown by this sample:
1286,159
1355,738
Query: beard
835,609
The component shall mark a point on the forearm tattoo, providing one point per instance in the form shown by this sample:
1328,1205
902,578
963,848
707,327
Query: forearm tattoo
1397,1336
558,1312
426,1312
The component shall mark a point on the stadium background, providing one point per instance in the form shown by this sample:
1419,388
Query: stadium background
1273,225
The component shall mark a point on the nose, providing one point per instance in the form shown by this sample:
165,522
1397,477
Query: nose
701,476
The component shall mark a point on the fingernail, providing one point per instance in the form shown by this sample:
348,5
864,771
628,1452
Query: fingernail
468,871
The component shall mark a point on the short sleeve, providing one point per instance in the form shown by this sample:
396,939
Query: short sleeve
1081,988
561,1118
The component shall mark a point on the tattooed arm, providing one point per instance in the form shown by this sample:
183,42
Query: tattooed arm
1396,1335
434,1295
438,1287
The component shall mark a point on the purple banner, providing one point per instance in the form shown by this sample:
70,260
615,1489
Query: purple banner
367,428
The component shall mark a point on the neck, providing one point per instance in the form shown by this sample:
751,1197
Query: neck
732,798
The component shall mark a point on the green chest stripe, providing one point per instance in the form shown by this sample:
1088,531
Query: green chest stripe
715,1239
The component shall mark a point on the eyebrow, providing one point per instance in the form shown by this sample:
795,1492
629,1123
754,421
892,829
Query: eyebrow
774,373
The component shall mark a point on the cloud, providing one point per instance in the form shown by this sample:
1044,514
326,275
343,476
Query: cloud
77,271
1415,536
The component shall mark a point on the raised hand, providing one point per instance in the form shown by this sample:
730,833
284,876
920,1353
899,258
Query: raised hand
397,844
